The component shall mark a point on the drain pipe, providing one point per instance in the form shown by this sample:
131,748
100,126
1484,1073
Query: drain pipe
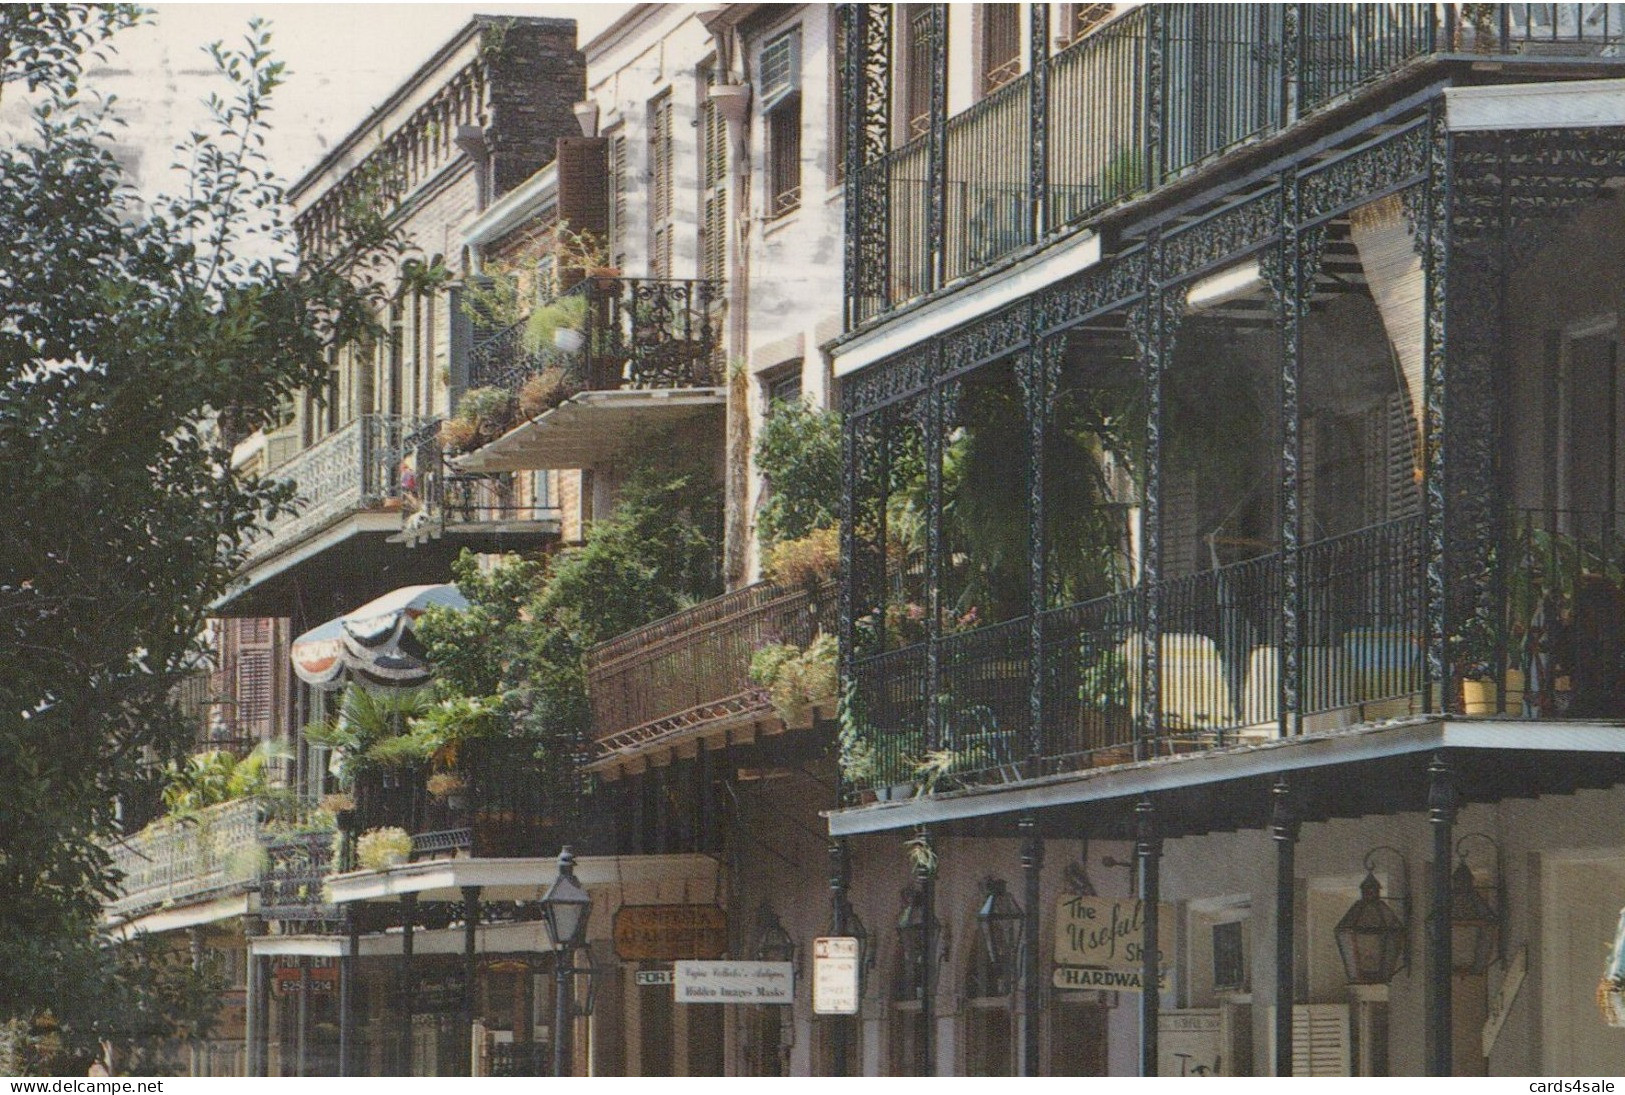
733,101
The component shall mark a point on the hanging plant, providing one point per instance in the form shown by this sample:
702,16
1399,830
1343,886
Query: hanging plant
379,849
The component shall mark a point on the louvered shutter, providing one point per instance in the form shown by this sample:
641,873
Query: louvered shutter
1321,1042
780,69
1402,488
1180,518
617,201
714,188
660,188
583,196
255,683
1309,441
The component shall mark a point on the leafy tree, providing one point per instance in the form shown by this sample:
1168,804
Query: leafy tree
799,452
128,331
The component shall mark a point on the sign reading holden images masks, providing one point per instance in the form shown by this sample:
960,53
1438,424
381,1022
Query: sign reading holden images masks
735,983
1098,943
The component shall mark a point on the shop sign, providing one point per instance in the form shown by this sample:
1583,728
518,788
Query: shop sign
670,933
835,975
1098,943
655,977
735,983
286,980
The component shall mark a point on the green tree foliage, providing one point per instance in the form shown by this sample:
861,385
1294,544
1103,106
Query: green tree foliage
128,331
523,640
799,452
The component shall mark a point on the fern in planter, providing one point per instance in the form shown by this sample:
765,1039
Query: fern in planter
796,680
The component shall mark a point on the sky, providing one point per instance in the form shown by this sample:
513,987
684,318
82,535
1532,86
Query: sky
343,60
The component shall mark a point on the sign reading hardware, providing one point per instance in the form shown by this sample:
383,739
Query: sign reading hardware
668,933
835,975
735,983
1098,943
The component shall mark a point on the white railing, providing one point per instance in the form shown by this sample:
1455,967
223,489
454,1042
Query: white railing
212,853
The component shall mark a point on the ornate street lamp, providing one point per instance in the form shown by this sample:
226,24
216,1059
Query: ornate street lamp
565,908
1475,923
1000,920
1371,935
773,943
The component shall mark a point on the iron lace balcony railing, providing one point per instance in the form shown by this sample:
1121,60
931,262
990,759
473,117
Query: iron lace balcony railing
212,853
1220,635
1216,77
356,468
694,666
650,333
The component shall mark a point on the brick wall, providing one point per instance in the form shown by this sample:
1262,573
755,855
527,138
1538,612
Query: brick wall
536,75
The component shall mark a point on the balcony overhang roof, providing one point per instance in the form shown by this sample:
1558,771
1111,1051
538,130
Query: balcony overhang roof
524,937
514,879
592,428
1374,769
191,914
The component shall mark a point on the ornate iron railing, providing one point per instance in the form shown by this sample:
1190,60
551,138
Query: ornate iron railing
212,853
437,495
694,666
357,467
1219,645
1152,94
651,333
500,797
296,870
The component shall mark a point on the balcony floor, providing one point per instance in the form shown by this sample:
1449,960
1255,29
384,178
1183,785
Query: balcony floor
592,428
1372,769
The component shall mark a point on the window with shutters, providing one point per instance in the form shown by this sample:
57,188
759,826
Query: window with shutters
917,71
1001,45
661,228
780,81
713,182
253,673
617,197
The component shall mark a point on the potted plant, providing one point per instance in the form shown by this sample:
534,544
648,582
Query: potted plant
380,849
797,682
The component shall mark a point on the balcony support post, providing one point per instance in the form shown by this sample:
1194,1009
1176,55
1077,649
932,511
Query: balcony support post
349,968
194,939
1154,325
1284,828
925,877
1290,270
1148,855
1442,803
1040,376
936,172
932,414
471,929
1032,985
302,1035
1156,27
1038,122
1435,233
256,999
408,986
840,879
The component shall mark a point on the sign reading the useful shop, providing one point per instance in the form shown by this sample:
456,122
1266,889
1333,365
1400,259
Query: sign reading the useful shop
735,983
1099,940
666,933
835,975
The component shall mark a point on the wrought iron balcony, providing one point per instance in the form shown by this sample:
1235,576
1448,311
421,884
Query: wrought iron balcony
296,870
638,333
501,797
1219,643
694,667
355,469
213,853
1154,94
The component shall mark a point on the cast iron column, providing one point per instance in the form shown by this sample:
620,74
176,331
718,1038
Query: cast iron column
349,963
925,874
1148,851
257,999
838,880
1038,122
471,925
409,909
563,959
1442,820
936,172
1032,985
1284,831
302,1034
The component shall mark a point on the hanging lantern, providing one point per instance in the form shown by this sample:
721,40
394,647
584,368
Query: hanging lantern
1000,921
1475,925
1371,937
773,943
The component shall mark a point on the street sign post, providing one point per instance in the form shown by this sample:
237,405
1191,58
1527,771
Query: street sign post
835,975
